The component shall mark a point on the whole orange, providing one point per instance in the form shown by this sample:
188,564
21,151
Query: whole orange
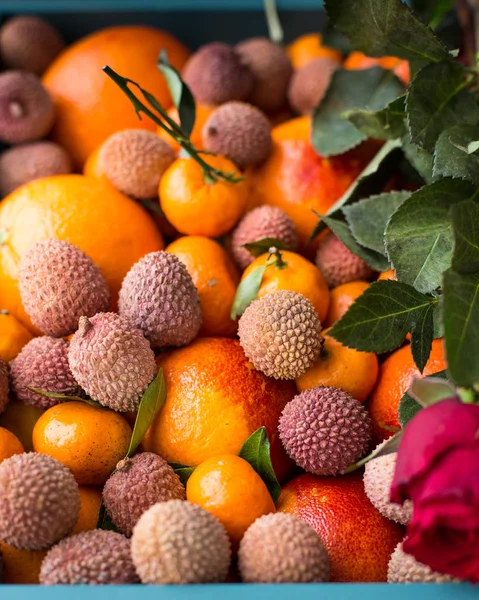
298,180
359,540
21,566
113,230
90,502
387,275
216,279
90,441
92,168
13,336
341,298
309,47
202,113
228,487
9,444
20,419
358,60
342,367
293,272
196,206
395,376
90,106
215,401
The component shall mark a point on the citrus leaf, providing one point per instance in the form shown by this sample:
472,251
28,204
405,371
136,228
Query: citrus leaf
370,88
420,159
262,246
180,94
104,520
66,397
388,123
465,220
390,446
150,405
256,451
409,406
247,291
380,318
422,334
408,409
367,219
386,28
451,157
419,237
183,471
436,100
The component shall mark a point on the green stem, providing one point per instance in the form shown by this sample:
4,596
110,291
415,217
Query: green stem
277,258
275,29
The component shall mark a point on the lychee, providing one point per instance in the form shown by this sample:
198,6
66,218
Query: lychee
4,386
338,264
309,84
404,568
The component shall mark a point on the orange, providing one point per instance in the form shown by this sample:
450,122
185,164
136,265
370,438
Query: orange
197,207
91,168
9,444
113,230
387,275
90,106
228,487
20,419
90,501
13,336
298,180
307,48
341,367
341,298
90,441
359,540
215,277
202,114
21,566
358,60
395,377
215,401
297,274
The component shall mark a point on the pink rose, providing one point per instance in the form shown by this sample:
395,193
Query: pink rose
438,469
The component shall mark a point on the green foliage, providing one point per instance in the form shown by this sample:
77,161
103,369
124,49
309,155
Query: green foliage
247,291
183,471
262,246
256,450
66,397
452,156
465,218
388,123
390,446
424,392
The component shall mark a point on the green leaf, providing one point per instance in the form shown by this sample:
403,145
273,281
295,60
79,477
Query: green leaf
473,147
420,159
465,220
390,446
375,260
451,156
150,405
262,246
461,327
368,218
419,238
439,11
335,39
385,28
408,409
66,397
422,334
104,520
370,88
388,123
380,318
180,94
432,390
247,292
436,100
183,471
256,451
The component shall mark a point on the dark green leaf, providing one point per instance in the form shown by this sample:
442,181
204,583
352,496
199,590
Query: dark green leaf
66,397
451,157
465,220
420,159
436,100
335,39
375,260
368,218
390,446
247,291
180,94
380,318
427,394
439,12
408,409
385,28
262,246
183,471
461,326
256,451
104,520
370,88
150,405
388,123
419,238
422,333
438,320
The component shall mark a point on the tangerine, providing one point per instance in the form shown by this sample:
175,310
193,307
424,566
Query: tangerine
90,502
202,113
341,298
9,444
387,275
13,336
357,61
309,47
21,566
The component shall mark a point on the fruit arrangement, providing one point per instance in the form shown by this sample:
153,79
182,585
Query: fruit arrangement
239,334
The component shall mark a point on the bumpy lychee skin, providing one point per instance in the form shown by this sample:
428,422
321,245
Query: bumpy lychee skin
179,542
404,568
309,84
338,264
40,501
259,223
134,161
377,478
239,131
59,284
159,297
279,548
112,361
27,162
216,74
325,430
43,364
137,484
4,386
26,110
91,557
280,334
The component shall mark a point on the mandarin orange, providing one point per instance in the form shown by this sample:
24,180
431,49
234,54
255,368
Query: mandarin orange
13,336
341,298
309,47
